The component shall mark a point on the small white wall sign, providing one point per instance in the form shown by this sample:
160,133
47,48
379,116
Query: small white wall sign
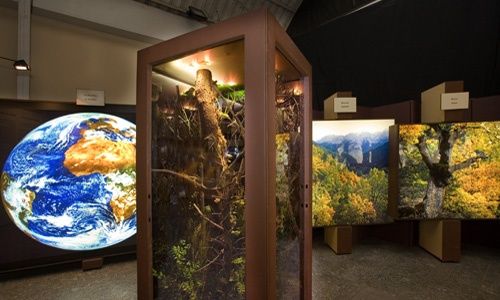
89,97
452,101
344,105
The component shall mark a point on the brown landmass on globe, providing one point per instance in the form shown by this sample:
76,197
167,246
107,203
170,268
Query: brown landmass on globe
123,206
99,155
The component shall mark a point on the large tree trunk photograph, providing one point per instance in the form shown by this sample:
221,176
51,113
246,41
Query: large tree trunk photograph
441,155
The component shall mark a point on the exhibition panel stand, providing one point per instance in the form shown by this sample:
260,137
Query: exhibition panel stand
479,231
432,110
342,237
354,112
338,237
224,164
441,237
400,231
445,174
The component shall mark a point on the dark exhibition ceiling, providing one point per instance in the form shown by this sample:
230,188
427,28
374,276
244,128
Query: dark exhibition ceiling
390,50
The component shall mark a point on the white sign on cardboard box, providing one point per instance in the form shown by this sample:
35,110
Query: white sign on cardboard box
344,105
452,101
89,97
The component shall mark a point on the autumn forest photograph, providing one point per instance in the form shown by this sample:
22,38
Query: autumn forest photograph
449,170
350,165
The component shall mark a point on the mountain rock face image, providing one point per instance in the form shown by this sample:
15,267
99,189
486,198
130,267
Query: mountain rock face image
350,160
70,183
359,152
449,170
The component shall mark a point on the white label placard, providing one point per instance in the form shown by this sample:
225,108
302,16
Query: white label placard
89,97
344,105
451,101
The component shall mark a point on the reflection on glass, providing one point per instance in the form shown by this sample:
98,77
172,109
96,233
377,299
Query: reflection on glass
198,175
289,99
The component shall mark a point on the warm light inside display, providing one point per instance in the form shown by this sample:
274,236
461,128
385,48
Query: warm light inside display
350,172
70,182
198,174
225,62
198,170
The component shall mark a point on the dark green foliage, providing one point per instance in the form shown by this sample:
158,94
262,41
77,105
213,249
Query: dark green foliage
233,92
198,201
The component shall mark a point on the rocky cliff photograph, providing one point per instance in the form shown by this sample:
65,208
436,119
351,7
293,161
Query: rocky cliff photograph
350,165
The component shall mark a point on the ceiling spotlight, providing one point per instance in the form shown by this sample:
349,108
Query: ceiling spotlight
19,64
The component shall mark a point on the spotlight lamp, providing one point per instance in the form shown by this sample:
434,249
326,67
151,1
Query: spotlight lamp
20,64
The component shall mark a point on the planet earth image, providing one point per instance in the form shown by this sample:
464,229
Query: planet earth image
70,183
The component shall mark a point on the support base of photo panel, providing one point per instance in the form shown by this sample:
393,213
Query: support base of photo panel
92,263
339,238
441,238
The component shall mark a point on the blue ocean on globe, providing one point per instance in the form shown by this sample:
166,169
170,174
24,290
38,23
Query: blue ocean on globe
70,183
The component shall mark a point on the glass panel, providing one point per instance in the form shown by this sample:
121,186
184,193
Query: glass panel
289,99
198,175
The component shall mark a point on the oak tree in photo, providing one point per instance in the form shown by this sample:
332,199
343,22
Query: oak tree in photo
435,158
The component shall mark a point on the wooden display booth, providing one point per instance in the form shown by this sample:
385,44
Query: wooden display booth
224,164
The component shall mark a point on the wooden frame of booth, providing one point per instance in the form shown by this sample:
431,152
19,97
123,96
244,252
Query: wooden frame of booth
262,36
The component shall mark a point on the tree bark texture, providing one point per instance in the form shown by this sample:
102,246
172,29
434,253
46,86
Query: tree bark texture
440,169
206,92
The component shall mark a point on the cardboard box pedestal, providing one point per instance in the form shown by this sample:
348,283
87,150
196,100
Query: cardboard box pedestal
339,238
328,104
431,104
441,238
92,263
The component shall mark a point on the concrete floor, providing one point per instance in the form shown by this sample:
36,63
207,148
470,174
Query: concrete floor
381,270
375,270
112,281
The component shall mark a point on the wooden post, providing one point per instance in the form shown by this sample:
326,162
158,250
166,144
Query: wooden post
339,238
441,238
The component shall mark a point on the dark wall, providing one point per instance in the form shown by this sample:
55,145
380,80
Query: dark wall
394,49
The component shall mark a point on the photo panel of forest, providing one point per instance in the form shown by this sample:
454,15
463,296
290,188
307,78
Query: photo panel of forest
449,170
350,172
